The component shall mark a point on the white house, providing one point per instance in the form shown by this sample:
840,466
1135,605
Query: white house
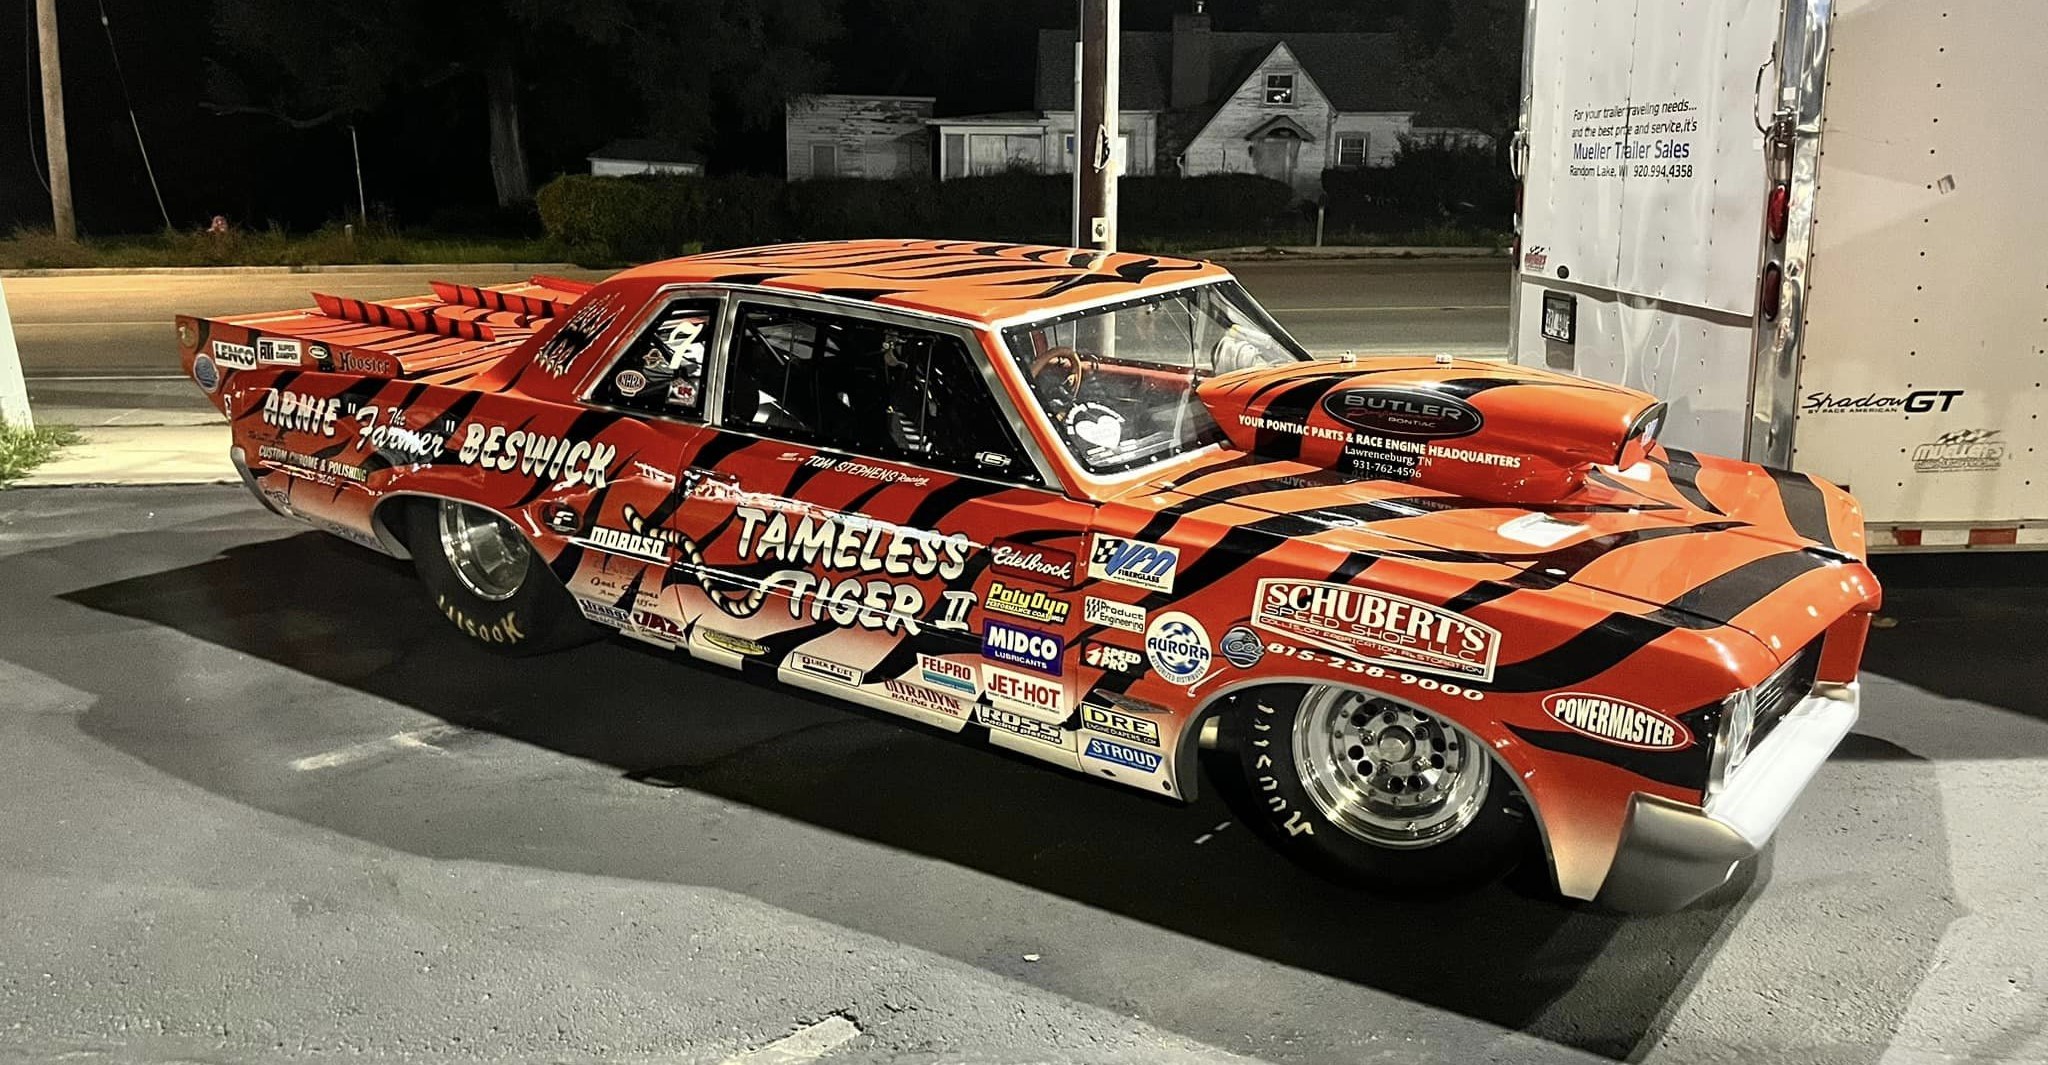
635,156
848,135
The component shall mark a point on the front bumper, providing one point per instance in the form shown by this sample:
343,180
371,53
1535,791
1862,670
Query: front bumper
1671,853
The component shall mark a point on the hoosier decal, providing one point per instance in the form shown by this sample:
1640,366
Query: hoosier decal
1618,722
1376,625
550,458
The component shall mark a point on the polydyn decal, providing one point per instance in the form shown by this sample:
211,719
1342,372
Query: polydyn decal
1617,721
1026,603
1379,626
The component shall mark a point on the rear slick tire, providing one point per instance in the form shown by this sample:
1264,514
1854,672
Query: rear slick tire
489,582
1368,790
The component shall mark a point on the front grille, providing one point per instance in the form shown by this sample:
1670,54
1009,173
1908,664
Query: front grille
1776,696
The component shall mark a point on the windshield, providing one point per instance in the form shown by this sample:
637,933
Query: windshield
1119,382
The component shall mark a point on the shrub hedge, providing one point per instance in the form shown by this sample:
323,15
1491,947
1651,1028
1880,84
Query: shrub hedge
1429,186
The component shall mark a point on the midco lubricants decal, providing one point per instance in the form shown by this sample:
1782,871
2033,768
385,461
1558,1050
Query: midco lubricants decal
550,458
1376,625
852,545
1617,722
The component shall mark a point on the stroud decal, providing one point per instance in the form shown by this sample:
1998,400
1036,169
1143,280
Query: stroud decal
1111,658
1032,563
1920,401
1120,725
577,335
1960,451
950,675
1029,728
1047,698
923,698
1377,625
1178,648
1133,562
275,352
1410,413
234,356
550,458
836,672
1112,614
1118,754
850,544
1019,646
1026,603
297,412
1618,722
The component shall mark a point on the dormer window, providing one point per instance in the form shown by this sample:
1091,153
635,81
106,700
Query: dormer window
1280,90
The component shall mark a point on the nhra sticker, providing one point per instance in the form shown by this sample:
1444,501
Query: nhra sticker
1617,722
1133,562
1178,648
1017,646
234,356
1032,563
1112,614
1121,725
1128,757
1376,625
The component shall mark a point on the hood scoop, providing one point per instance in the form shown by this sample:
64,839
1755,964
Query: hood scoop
1481,430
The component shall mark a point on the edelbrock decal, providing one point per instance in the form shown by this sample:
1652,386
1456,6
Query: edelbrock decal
1031,562
1380,626
1617,721
1410,413
1178,648
1133,562
1112,614
1019,646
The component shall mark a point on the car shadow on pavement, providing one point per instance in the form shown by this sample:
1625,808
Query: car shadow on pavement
1983,609
1507,956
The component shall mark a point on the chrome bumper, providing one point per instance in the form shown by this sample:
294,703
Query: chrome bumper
1671,853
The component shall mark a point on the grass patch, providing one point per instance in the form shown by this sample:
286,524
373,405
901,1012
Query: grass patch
333,245
22,450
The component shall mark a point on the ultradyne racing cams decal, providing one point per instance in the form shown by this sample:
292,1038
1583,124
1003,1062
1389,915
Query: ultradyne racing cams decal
1617,721
1378,626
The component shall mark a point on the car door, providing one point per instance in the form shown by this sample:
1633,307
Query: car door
887,534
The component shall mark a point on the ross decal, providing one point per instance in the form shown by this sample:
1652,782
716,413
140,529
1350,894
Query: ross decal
1029,728
824,667
1133,562
550,458
948,674
1617,721
300,413
1120,725
299,464
1113,659
1242,647
1020,646
1028,604
1032,694
726,641
1377,625
1128,757
1960,451
1409,413
1178,648
205,373
234,356
276,352
1920,401
504,630
604,613
577,335
1112,614
924,698
1032,562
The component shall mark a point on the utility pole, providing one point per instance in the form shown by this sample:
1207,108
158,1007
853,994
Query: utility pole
1095,126
65,221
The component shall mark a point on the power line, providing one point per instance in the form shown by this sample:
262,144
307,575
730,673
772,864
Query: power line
133,122
28,83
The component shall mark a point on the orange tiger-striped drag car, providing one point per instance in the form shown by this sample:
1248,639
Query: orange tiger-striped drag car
1103,511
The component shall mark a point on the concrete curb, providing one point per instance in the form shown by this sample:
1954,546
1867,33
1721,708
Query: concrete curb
337,268
1277,254
135,455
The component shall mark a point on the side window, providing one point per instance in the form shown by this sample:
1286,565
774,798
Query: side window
869,388
662,370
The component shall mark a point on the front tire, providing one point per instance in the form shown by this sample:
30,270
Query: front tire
1373,791
488,581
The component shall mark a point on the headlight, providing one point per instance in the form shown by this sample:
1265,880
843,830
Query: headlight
1731,742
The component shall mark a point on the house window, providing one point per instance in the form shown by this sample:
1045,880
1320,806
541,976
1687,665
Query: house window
955,149
1351,150
824,160
994,153
1280,90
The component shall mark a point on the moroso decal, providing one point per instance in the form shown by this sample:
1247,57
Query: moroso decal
1617,721
1032,562
550,458
623,542
1376,625
1133,562
1409,413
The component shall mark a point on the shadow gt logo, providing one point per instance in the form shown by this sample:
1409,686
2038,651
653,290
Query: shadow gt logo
1923,401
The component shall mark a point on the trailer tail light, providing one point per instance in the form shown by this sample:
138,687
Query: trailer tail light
1772,291
1778,212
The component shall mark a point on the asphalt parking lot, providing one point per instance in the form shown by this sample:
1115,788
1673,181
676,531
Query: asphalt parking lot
265,805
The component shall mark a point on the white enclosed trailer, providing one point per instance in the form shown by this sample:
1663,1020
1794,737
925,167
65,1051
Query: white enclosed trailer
1818,228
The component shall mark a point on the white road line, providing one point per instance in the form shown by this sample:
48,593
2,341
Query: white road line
421,739
112,377
1211,834
1386,308
806,1044
164,322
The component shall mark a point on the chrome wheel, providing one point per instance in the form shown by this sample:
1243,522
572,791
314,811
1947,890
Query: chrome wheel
1385,771
488,555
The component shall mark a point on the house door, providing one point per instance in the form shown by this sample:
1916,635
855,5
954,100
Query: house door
1276,154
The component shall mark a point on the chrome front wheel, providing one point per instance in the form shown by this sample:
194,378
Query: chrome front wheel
486,553
1386,772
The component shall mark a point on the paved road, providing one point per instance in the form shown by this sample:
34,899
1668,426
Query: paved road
99,348
264,805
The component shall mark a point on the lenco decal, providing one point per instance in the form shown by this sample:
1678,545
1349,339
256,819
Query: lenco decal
1616,721
1133,562
1377,625
234,356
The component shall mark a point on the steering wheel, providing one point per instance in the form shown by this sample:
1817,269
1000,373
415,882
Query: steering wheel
1055,356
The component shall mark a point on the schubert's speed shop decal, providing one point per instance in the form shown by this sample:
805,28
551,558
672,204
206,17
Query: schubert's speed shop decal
1368,623
1618,722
